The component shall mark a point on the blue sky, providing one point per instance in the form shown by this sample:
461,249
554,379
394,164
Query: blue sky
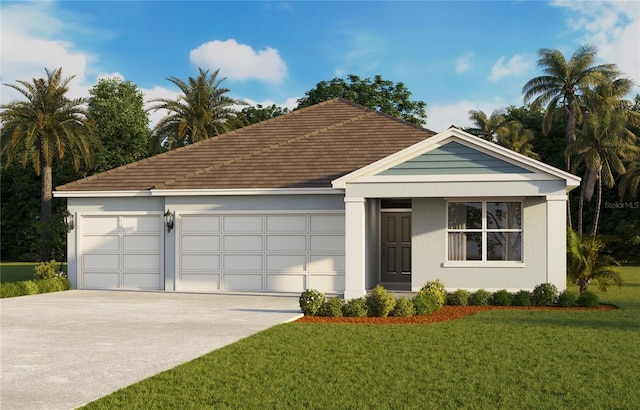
455,55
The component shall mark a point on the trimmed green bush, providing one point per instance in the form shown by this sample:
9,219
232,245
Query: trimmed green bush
9,290
479,298
501,298
567,298
355,308
47,270
458,298
32,287
311,301
436,288
404,307
522,298
27,287
425,304
544,294
587,299
332,307
379,302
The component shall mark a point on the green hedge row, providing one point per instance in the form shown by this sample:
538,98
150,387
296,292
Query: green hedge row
32,287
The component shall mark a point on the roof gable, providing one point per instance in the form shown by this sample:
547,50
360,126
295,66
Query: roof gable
454,158
455,155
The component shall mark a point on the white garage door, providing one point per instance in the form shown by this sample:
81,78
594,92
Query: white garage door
261,252
120,251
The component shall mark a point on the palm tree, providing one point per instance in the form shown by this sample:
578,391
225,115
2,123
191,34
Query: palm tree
563,85
488,128
605,142
45,128
586,262
509,134
630,182
202,111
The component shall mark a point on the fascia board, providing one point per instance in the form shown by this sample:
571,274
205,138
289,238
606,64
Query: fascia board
99,194
243,192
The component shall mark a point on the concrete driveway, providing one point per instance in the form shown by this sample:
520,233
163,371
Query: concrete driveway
62,350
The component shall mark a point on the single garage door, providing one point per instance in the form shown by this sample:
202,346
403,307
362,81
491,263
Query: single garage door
120,251
275,252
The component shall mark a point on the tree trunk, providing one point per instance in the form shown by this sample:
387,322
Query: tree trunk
580,210
598,203
583,285
46,225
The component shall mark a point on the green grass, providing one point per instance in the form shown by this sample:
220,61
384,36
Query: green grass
523,359
18,271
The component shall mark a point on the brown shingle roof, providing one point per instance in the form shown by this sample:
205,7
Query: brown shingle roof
307,148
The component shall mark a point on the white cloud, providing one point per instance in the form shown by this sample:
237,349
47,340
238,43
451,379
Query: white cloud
239,61
154,93
613,27
516,66
441,117
463,63
31,42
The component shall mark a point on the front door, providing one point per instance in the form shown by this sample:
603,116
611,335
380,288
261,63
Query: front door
396,247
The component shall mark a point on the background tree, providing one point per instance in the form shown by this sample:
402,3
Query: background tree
564,82
254,114
499,129
45,128
122,124
382,95
202,111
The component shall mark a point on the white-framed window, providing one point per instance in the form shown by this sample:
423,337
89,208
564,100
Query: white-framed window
484,230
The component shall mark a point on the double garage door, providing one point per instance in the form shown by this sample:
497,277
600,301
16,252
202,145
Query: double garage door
275,252
121,251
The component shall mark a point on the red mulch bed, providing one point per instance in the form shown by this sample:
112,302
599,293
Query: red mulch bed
443,315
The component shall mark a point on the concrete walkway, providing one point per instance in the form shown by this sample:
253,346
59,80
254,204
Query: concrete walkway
62,350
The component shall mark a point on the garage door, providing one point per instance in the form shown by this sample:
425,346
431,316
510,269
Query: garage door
261,252
120,251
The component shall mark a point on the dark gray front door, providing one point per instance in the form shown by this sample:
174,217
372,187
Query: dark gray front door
396,247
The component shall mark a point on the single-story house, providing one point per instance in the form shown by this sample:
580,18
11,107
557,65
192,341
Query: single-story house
334,197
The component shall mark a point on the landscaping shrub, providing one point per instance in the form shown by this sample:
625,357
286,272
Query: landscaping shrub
49,285
522,298
9,289
479,298
567,299
311,301
27,287
501,298
355,308
545,294
404,307
588,299
425,304
332,307
48,270
437,289
458,298
379,302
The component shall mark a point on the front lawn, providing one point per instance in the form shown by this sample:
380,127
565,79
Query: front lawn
19,271
495,359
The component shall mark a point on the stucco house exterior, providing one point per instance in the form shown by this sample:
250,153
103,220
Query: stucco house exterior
334,197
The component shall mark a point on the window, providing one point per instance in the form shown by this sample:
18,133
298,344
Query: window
484,231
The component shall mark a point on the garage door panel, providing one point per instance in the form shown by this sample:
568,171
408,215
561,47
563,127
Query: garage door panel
243,223
242,262
242,243
141,280
101,243
200,243
200,282
101,262
101,280
286,263
320,243
199,223
285,283
286,243
327,263
327,283
200,262
243,282
142,262
147,223
286,223
100,224
141,242
327,223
